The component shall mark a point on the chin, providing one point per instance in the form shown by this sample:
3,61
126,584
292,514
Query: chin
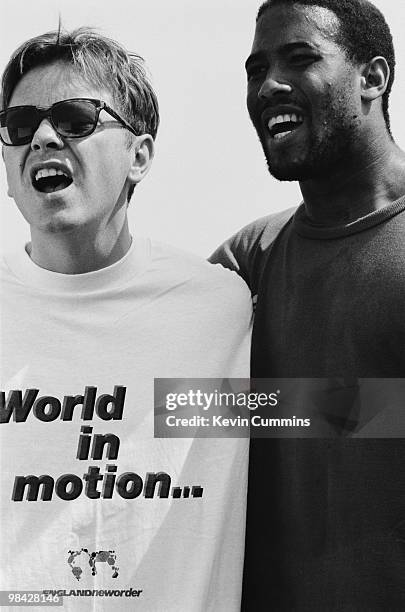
61,223
311,160
308,167
290,166
291,171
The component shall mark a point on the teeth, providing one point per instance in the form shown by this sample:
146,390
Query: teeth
281,135
45,172
291,118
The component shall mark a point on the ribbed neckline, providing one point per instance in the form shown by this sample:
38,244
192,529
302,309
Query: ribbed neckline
304,227
111,277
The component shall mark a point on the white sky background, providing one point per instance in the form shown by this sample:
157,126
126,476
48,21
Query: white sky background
209,177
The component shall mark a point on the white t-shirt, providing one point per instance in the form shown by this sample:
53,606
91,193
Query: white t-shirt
155,313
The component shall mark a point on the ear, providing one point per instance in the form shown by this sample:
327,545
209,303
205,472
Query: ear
143,151
374,79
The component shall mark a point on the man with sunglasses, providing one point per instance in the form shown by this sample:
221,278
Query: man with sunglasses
89,316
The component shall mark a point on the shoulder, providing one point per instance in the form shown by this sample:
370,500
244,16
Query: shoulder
7,275
263,231
200,279
246,250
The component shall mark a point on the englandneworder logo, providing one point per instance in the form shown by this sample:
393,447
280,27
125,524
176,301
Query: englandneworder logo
93,558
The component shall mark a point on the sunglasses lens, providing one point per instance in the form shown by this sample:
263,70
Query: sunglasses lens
70,118
18,125
74,118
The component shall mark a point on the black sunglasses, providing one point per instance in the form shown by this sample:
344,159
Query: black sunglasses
73,118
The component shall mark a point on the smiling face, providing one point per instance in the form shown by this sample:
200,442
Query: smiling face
62,184
303,92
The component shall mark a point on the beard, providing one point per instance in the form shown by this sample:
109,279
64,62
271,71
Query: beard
325,149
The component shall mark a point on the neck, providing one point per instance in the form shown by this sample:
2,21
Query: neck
80,251
371,179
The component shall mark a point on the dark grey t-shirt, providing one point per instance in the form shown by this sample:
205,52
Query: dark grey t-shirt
326,518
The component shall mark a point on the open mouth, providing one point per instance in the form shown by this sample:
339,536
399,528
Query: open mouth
283,125
48,180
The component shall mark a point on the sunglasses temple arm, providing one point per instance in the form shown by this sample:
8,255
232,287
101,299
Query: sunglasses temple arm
120,119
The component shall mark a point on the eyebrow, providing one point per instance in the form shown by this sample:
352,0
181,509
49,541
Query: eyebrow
284,50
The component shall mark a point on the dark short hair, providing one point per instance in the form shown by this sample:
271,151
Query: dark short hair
101,61
363,34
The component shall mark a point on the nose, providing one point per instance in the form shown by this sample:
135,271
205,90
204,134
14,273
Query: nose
46,137
273,85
